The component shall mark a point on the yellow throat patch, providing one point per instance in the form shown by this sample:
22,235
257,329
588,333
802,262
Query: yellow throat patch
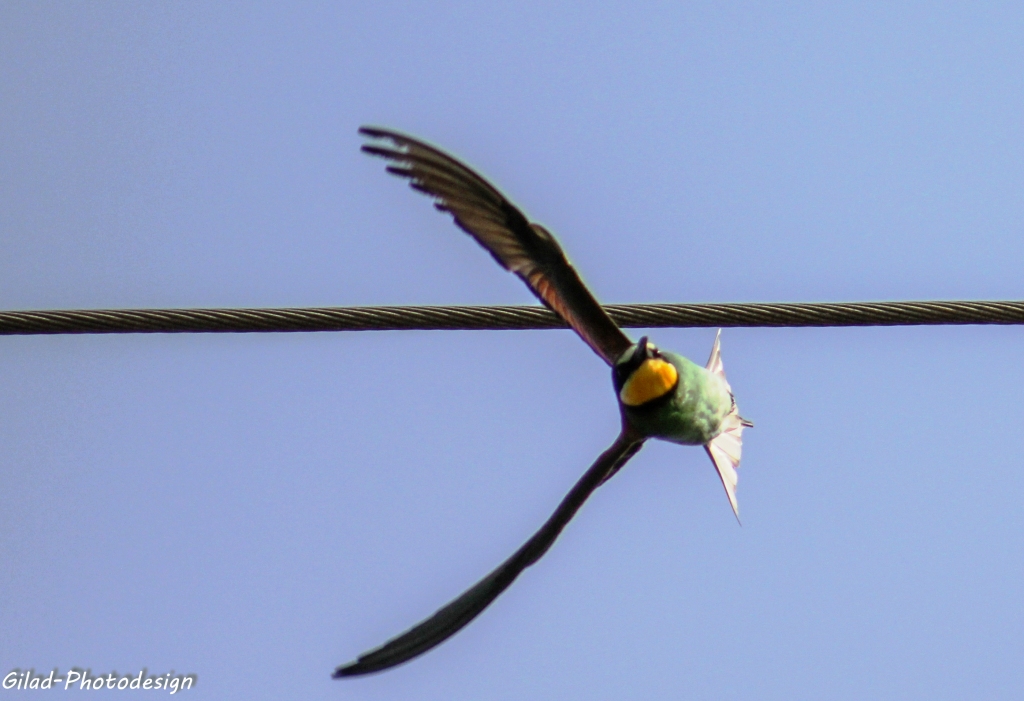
653,379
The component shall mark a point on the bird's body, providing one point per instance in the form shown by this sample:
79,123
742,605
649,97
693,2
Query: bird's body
660,394
690,414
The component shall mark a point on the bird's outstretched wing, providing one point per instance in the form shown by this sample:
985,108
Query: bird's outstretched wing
526,249
450,619
726,449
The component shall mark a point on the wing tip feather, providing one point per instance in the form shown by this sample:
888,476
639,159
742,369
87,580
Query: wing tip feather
376,132
382,152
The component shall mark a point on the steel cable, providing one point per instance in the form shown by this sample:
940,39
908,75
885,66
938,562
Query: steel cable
504,317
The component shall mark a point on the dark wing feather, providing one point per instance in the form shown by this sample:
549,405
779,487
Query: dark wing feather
526,249
450,619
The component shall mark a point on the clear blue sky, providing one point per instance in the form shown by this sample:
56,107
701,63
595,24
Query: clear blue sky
259,508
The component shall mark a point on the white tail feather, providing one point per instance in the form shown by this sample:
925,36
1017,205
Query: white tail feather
726,448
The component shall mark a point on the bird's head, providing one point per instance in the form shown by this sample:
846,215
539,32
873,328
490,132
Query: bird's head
642,374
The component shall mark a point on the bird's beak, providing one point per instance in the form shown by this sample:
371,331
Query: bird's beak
640,354
626,367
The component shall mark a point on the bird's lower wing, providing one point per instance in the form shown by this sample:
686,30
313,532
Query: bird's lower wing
526,249
450,619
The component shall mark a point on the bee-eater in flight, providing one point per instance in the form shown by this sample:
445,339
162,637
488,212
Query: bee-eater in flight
660,394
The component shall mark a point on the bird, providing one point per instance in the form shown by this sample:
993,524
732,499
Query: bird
660,394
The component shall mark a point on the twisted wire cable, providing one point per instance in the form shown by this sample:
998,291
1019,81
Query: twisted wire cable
505,317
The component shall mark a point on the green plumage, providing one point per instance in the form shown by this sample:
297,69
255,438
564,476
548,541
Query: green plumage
692,413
